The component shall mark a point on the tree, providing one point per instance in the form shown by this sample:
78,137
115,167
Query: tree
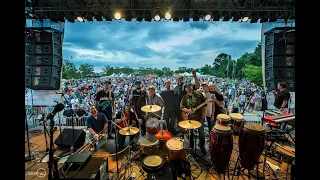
255,58
86,69
105,70
69,70
253,74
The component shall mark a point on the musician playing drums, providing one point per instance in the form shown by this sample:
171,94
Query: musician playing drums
191,100
154,98
122,119
97,123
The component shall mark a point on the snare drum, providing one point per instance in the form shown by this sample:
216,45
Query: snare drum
163,136
152,125
221,142
176,149
251,144
237,121
152,164
223,119
149,145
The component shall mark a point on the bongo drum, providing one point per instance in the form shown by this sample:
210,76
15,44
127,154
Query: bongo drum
251,144
152,125
163,136
223,119
237,121
221,142
149,145
176,149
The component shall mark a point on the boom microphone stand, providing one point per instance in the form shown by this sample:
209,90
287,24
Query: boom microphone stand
27,158
53,161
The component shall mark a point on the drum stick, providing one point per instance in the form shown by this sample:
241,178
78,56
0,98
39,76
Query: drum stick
116,125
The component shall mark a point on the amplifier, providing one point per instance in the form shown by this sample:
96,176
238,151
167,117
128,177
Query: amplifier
95,169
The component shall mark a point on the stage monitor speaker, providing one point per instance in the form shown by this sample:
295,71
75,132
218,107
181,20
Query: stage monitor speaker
43,58
67,139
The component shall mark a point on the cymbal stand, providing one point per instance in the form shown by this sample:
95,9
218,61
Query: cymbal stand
190,158
129,165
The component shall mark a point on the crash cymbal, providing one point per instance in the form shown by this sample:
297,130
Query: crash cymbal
151,108
190,124
128,131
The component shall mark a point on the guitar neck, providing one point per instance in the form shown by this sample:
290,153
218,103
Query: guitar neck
200,106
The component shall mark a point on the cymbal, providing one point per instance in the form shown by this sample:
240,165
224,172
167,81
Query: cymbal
128,131
190,124
151,108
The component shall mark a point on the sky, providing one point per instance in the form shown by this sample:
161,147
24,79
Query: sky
157,44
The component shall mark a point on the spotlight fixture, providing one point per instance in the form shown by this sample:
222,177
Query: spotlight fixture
70,17
147,16
157,16
215,16
168,16
90,17
264,17
98,16
80,17
254,17
61,17
207,16
176,19
196,15
117,16
54,17
108,16
226,16
235,16
245,19
186,16
273,17
139,16
127,15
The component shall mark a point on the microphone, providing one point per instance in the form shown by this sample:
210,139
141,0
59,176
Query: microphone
57,108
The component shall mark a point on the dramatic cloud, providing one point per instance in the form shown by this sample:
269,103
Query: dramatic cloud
157,44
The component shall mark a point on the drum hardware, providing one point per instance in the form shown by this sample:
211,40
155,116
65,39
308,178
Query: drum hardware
287,155
190,125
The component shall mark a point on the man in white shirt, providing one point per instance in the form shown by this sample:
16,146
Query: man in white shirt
209,108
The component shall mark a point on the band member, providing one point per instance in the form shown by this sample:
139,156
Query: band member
105,105
97,123
218,101
191,100
210,106
122,119
155,99
179,92
282,96
138,99
169,108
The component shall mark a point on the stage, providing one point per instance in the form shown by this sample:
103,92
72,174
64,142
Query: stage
205,172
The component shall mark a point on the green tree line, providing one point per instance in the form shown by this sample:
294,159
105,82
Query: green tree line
248,66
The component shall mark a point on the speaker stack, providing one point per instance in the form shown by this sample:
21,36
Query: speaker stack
280,58
43,58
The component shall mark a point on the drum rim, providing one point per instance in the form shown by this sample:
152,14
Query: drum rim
245,127
219,125
175,138
153,167
227,116
236,118
155,143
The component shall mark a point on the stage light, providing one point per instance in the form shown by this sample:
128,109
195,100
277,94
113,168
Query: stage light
273,17
168,16
61,17
245,19
90,17
235,16
254,17
80,19
54,17
264,17
98,16
215,16
117,16
157,16
207,17
196,15
127,16
139,16
226,16
147,16
176,19
70,17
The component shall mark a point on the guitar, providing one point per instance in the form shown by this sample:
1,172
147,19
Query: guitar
105,104
185,115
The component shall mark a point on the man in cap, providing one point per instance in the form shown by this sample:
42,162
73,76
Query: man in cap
154,98
138,99
179,92
191,100
169,107
105,104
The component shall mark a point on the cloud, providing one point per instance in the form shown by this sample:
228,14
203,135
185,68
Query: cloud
157,44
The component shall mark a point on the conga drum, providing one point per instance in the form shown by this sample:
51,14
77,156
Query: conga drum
152,164
221,142
237,122
251,144
223,119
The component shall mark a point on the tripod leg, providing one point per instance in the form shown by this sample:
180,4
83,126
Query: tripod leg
235,167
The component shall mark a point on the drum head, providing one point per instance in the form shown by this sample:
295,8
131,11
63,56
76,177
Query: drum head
237,116
254,127
150,140
174,144
152,161
223,117
152,122
286,150
221,128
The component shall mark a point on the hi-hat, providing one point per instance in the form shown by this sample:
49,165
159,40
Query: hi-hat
190,124
151,108
128,131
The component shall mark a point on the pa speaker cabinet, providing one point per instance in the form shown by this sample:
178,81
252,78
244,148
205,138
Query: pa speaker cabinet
43,60
280,62
280,73
272,83
71,137
42,83
43,71
44,49
41,36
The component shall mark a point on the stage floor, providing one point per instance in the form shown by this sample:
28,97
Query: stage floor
200,170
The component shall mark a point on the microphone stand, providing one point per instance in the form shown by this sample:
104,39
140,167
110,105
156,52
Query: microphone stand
27,158
116,142
53,161
251,95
